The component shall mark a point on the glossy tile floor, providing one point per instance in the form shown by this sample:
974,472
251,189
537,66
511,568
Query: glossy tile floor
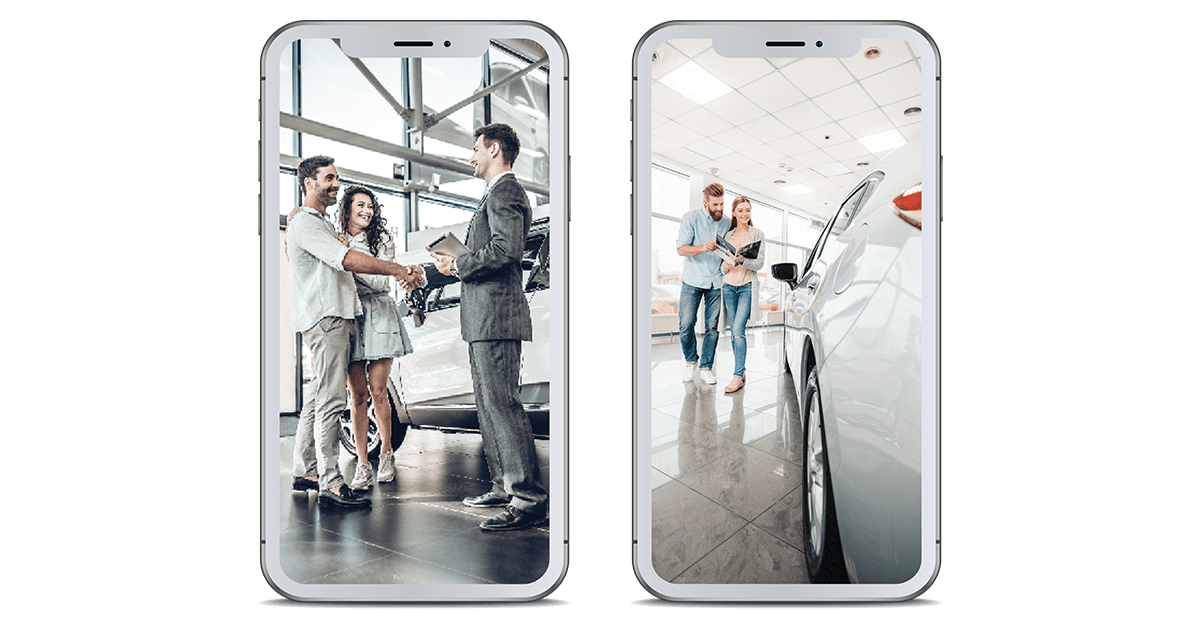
726,469
417,530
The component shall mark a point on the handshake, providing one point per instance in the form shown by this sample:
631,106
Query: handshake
411,278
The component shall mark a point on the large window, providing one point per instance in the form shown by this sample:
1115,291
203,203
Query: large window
789,236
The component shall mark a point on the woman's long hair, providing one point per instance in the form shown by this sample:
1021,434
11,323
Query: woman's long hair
376,230
733,217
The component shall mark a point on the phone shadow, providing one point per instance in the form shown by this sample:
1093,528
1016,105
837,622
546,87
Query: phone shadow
667,604
283,603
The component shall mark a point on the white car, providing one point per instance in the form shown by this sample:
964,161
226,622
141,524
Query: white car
852,340
431,387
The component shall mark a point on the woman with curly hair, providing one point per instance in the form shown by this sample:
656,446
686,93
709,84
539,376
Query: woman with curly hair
381,334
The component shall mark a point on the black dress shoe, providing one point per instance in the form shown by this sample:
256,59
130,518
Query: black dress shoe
512,519
305,484
345,497
487,500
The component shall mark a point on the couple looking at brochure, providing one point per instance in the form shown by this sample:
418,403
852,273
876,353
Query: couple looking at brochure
722,256
340,300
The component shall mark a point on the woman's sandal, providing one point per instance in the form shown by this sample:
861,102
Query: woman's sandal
731,388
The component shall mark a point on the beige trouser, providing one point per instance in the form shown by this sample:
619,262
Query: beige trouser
330,341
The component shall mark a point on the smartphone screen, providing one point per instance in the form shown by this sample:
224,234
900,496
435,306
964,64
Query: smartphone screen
786,311
413,412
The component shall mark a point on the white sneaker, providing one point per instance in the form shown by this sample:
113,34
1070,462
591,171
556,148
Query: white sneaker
689,371
387,466
363,477
706,376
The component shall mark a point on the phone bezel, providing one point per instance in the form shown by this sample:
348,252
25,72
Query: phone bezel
468,39
749,39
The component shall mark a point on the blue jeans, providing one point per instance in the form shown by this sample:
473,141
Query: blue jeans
738,300
689,304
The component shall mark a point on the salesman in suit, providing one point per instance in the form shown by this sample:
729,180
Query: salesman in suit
495,319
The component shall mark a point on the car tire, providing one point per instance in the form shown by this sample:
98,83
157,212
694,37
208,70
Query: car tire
346,433
822,541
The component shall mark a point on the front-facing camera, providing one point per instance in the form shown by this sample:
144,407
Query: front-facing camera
446,43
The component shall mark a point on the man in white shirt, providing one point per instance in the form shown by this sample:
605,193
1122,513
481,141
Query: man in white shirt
324,306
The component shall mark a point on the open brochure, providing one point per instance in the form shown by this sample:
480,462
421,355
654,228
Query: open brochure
727,251
448,244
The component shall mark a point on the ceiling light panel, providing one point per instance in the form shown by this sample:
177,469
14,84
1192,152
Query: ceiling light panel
797,189
883,142
735,72
667,58
695,83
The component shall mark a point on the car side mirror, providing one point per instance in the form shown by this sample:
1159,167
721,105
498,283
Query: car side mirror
787,272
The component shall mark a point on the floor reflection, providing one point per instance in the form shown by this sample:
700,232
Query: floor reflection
725,504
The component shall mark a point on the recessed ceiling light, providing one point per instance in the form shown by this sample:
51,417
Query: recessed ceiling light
695,83
831,170
912,111
862,163
882,141
872,53
797,189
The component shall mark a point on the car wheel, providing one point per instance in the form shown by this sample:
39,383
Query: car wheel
346,433
822,543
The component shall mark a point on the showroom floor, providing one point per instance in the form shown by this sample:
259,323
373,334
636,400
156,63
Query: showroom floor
726,469
417,530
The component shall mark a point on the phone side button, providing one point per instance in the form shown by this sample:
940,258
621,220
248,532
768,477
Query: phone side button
631,214
941,203
258,227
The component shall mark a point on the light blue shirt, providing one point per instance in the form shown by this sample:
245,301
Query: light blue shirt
696,228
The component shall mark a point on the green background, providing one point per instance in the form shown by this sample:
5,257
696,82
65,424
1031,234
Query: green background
131,275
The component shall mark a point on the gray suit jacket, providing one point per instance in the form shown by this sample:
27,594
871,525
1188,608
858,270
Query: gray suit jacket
493,300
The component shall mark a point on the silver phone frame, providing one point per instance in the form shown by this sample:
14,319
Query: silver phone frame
376,38
747,38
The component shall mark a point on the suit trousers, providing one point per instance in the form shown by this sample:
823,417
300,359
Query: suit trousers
507,436
329,341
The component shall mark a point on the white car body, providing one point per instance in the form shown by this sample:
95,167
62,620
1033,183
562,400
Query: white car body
855,317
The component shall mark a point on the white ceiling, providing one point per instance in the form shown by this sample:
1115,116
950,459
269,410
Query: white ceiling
784,118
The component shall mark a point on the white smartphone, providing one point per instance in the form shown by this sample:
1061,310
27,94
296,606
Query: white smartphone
786,399
414,404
